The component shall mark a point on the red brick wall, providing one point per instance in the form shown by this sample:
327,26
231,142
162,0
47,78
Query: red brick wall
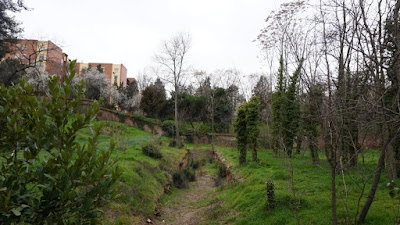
107,68
124,74
55,59
30,51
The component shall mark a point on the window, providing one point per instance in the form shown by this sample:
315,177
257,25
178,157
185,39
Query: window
18,46
24,56
41,48
41,57
116,70
24,48
16,56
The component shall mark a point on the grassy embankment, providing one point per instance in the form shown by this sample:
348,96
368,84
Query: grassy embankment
244,201
143,180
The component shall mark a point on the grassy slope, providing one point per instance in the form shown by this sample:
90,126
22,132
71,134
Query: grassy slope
143,180
248,198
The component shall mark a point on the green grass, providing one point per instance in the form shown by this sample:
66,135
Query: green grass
247,198
243,201
143,180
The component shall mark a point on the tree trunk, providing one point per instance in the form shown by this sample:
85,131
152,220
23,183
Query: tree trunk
313,149
177,133
375,182
212,121
299,142
333,187
275,145
254,151
242,154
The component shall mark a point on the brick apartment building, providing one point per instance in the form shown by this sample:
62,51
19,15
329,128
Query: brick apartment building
116,73
47,56
44,55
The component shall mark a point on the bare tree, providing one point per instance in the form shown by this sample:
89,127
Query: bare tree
144,79
172,61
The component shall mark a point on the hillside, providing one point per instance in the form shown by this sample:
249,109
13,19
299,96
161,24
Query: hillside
143,180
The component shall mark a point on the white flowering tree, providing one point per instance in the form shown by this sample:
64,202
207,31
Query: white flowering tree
38,80
96,84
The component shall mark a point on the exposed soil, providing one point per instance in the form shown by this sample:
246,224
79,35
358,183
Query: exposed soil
185,208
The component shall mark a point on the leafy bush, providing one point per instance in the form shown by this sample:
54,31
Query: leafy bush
180,180
271,195
222,171
190,174
152,151
190,136
173,143
195,164
46,176
182,177
141,121
168,127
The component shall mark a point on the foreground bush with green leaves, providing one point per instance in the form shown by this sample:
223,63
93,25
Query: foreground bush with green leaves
46,175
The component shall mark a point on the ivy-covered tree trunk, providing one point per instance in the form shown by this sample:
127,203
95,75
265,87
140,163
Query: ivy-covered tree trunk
292,111
299,142
177,132
278,107
252,119
311,119
313,148
392,44
240,126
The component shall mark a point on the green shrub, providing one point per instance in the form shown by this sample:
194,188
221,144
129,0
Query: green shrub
222,171
174,144
195,164
121,117
168,126
190,136
152,151
46,176
180,180
271,195
141,120
190,174
182,177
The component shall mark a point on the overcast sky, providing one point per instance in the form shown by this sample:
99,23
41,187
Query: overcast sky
131,31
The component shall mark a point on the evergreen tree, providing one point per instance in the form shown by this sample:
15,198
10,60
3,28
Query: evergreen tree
252,120
311,122
291,111
153,99
278,106
9,28
285,110
240,126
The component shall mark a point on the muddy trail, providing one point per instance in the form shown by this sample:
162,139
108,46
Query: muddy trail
193,205
185,208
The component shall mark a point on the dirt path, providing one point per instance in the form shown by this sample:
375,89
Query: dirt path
185,208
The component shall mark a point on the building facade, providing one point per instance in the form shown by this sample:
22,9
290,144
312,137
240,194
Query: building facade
116,73
44,55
